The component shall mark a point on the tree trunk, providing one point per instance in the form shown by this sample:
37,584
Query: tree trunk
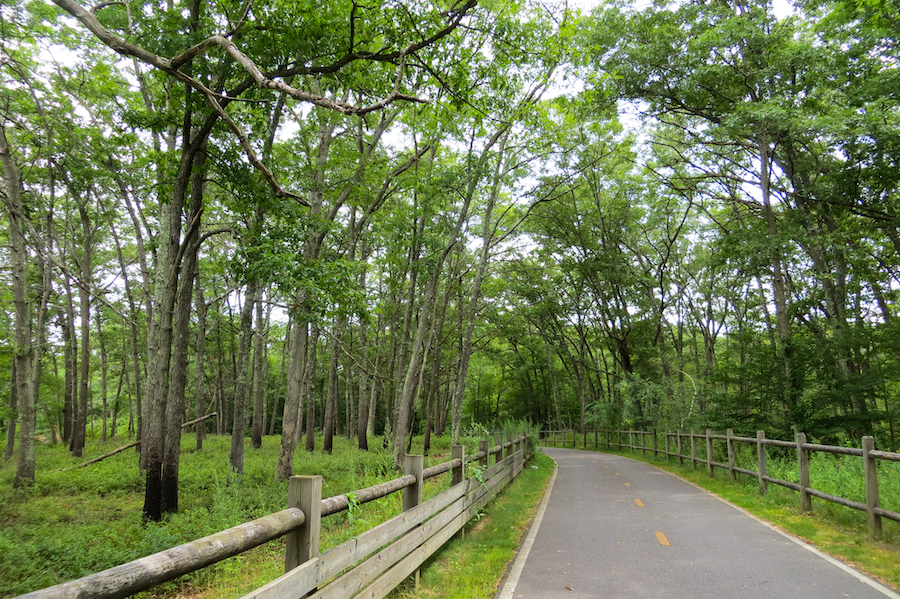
200,361
373,399
779,288
70,338
18,254
13,414
242,385
309,378
42,302
159,341
260,379
293,405
104,372
132,323
332,394
178,375
282,375
80,430
362,411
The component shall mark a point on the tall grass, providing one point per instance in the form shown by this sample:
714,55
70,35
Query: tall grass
74,522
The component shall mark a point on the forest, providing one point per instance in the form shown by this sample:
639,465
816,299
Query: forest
406,217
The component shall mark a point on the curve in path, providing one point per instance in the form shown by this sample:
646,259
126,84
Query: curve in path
611,527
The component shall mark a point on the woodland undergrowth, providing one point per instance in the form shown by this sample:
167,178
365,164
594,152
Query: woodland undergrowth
73,522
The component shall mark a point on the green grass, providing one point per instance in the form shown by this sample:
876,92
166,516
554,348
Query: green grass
834,529
75,522
472,564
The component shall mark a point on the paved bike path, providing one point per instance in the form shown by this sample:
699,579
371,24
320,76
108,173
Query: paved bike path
619,528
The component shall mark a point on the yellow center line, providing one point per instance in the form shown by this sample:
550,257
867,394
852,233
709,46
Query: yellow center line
627,484
641,504
662,539
618,474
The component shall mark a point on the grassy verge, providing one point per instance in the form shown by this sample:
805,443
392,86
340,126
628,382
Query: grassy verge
836,530
472,564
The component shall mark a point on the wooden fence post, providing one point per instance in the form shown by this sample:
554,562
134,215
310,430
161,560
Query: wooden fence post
305,493
667,444
458,452
710,469
498,441
761,461
653,436
680,452
693,450
643,444
872,500
412,495
631,440
732,460
484,446
803,464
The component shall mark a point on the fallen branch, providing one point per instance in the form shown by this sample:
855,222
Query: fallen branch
130,445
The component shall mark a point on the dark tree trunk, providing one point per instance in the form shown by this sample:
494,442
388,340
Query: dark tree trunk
181,335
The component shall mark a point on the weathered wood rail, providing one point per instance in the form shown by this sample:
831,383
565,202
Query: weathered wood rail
676,442
372,563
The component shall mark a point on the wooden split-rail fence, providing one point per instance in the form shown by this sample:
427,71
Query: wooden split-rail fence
675,443
369,565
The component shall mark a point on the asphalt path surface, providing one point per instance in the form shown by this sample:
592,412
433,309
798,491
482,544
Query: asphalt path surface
615,528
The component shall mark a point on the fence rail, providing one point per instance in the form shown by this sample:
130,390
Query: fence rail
868,453
386,554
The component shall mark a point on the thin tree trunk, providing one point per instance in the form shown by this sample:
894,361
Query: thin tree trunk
132,326
282,375
331,397
293,404
200,361
13,413
80,431
242,385
362,421
117,404
104,372
259,378
309,377
373,399
70,338
25,466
